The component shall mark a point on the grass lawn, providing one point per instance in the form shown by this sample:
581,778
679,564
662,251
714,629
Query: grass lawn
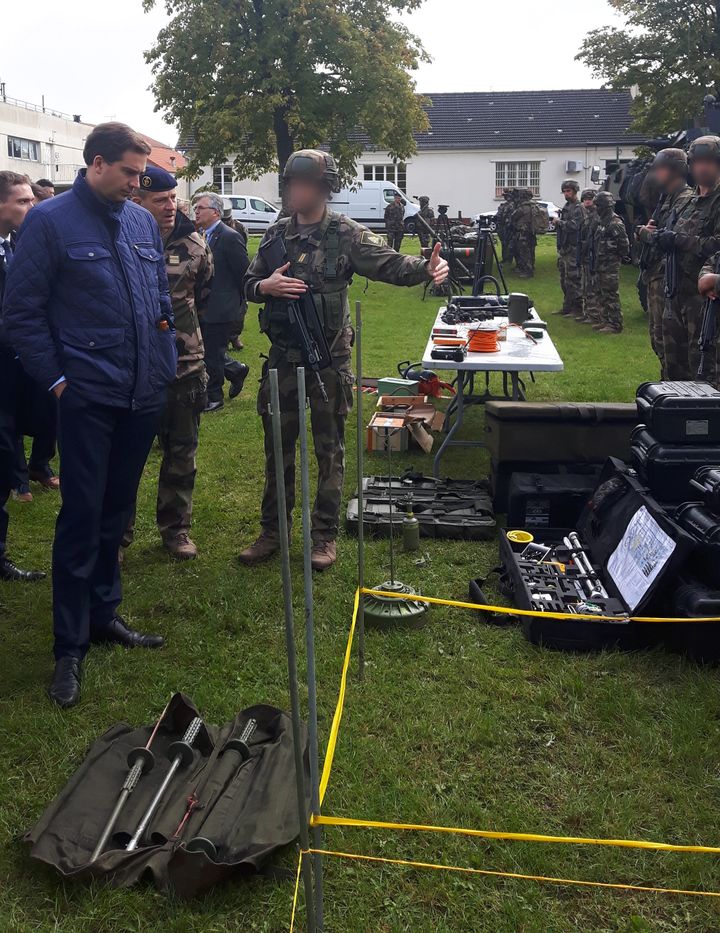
457,724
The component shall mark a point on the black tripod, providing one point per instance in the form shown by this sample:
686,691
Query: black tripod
486,252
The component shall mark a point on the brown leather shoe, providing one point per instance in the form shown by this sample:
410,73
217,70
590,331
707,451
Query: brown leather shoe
324,555
259,551
49,481
181,547
610,330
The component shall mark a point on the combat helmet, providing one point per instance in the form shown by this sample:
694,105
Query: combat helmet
705,147
423,199
524,194
570,183
604,200
675,159
315,165
588,194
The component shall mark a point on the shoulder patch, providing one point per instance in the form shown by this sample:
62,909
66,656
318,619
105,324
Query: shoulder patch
368,238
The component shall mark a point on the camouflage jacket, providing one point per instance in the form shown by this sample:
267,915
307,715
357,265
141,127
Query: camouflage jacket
427,212
586,236
395,217
697,226
502,217
711,266
326,257
610,241
568,225
190,270
653,260
523,219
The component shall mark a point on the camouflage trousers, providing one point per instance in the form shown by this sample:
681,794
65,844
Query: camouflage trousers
507,241
571,283
681,331
591,305
655,286
607,283
327,420
395,238
525,253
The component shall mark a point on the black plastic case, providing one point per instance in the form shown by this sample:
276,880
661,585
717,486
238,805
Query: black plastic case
680,412
667,469
706,482
704,526
536,500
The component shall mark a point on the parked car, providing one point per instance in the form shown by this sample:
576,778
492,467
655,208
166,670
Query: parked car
486,219
254,212
367,202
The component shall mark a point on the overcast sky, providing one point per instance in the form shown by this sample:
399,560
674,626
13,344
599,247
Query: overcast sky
87,58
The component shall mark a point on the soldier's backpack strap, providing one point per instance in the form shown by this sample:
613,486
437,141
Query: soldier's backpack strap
332,248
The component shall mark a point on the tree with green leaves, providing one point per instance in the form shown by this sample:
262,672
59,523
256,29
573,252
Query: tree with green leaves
670,49
256,79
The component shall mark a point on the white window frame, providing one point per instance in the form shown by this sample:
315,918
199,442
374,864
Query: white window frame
25,150
394,172
522,173
226,179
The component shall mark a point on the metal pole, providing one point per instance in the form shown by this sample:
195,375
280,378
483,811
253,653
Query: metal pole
290,642
310,643
360,496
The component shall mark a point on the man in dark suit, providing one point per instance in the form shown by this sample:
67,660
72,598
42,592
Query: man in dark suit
16,199
226,307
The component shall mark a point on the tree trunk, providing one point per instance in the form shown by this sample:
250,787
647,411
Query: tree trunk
284,147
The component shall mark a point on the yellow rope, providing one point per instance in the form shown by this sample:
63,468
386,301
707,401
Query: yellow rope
506,610
513,837
297,890
515,875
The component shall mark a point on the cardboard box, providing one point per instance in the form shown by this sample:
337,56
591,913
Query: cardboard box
387,430
393,385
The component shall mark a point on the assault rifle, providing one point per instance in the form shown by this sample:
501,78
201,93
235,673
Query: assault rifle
647,248
708,329
671,268
303,316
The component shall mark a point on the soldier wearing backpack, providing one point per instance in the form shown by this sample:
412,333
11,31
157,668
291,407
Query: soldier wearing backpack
527,221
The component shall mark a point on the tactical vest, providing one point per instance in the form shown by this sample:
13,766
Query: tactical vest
319,267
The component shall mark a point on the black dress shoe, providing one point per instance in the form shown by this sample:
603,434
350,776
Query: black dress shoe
213,406
118,633
236,386
8,571
65,687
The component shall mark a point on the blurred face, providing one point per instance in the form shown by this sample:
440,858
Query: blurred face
587,202
14,210
116,181
569,194
706,172
45,193
205,215
305,195
162,205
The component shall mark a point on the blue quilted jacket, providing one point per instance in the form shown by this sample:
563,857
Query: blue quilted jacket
86,297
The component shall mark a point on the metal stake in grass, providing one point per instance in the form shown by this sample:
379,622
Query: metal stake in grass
274,413
310,642
361,493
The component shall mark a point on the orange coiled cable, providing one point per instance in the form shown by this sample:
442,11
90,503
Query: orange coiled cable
483,341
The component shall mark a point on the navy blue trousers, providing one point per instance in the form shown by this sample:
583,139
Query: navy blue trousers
102,454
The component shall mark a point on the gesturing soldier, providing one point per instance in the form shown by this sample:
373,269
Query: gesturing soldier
189,265
325,250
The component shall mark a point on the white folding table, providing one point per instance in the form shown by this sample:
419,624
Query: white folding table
518,354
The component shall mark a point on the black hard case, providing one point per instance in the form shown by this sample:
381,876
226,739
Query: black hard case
537,500
667,469
680,412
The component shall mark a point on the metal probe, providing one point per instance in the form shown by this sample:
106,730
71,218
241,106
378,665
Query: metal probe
182,754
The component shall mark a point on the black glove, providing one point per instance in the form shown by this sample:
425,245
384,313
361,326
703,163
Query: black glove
665,241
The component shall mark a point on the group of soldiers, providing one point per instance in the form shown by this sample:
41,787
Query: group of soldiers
518,221
395,221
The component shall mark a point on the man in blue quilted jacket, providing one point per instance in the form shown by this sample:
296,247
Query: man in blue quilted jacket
87,310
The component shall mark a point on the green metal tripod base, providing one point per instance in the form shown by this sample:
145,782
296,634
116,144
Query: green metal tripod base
387,612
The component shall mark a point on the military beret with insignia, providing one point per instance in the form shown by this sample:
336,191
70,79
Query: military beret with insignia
157,179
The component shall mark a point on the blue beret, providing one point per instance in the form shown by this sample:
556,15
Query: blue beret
157,179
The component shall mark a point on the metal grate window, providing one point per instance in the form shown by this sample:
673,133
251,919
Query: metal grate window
223,179
517,175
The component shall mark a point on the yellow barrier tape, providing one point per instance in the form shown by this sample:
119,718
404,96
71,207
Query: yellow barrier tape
297,891
332,741
434,601
512,837
617,886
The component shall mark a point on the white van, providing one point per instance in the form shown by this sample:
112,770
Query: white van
367,203
255,213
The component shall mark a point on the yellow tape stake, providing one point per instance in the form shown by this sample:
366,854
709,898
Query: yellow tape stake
616,886
297,890
434,601
512,837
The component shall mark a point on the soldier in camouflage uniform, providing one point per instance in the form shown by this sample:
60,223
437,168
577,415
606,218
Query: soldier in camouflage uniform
428,215
504,228
611,247
325,250
568,227
523,225
691,240
395,222
669,170
585,254
190,269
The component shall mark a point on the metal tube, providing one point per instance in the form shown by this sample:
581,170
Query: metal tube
275,416
584,560
310,642
361,495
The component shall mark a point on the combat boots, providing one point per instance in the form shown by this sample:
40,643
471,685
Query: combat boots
259,551
181,546
324,555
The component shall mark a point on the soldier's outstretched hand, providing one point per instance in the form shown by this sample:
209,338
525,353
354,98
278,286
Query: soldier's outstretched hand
279,285
438,269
